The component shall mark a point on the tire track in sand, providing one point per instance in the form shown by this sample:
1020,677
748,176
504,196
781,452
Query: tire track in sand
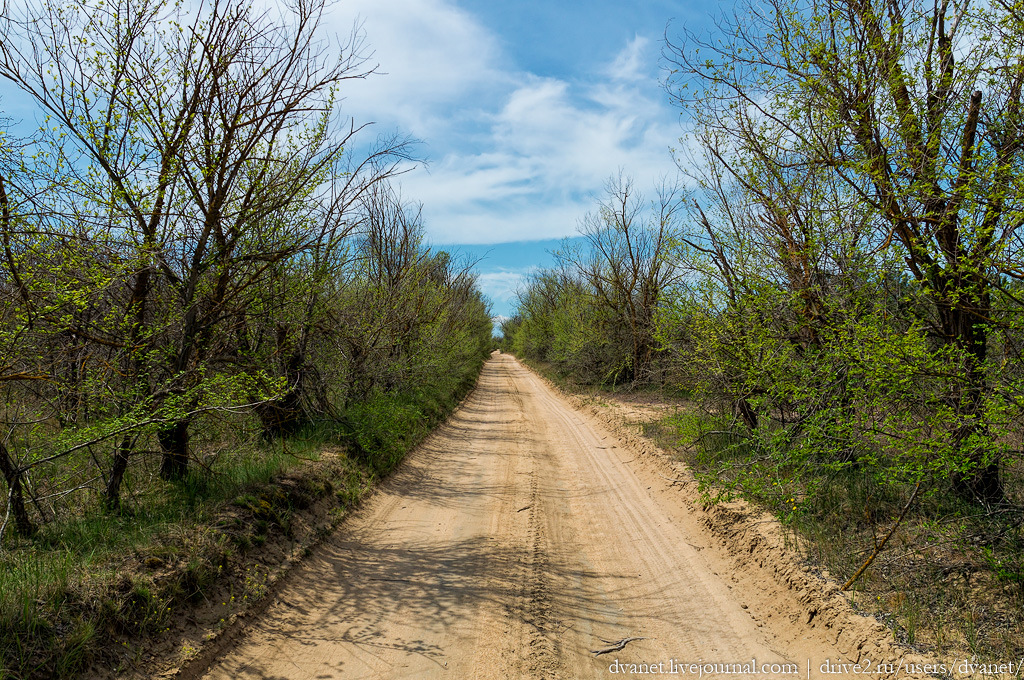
507,545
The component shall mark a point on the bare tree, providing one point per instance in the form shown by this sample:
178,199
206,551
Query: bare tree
625,260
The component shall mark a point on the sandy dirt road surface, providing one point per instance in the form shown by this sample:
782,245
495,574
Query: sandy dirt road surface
519,538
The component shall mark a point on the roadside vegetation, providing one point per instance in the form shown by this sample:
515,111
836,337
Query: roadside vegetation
201,286
837,294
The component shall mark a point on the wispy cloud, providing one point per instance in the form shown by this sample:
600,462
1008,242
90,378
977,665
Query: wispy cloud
503,284
631,63
513,156
431,55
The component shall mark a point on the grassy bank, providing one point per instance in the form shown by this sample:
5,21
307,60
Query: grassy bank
96,589
950,576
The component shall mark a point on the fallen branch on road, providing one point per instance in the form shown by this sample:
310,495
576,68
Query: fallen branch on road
616,645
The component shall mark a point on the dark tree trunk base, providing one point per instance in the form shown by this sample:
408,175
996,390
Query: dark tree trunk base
15,496
282,417
747,413
983,486
174,443
117,470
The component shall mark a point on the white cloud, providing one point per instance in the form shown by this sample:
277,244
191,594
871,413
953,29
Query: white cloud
631,63
525,220
430,54
514,156
549,156
502,285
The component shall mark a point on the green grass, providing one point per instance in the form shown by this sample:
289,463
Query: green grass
82,579
950,581
91,586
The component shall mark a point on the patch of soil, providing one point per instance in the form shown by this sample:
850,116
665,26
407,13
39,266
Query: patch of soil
240,558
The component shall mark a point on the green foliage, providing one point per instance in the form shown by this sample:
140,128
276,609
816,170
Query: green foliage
859,142
863,395
191,261
382,429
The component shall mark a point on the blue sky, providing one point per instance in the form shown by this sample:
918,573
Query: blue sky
525,109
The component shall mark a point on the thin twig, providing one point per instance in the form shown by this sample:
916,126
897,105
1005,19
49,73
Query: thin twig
60,494
391,580
880,546
615,645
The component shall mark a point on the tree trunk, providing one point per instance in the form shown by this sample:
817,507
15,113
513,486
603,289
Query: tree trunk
174,444
284,415
963,328
15,495
982,483
120,466
747,413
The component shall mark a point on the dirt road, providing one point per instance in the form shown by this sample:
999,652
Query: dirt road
512,544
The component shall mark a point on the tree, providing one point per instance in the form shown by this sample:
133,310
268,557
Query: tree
624,263
297,299
190,136
915,107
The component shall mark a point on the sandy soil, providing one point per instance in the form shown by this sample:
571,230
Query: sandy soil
524,535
